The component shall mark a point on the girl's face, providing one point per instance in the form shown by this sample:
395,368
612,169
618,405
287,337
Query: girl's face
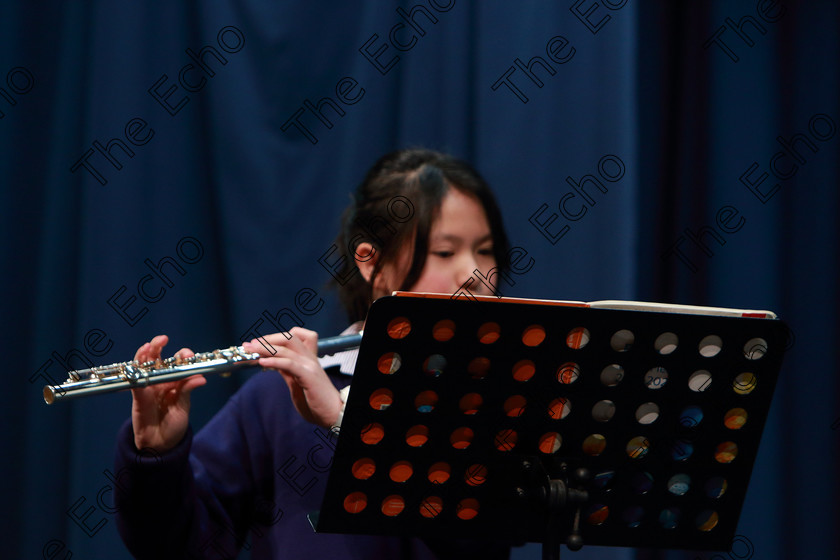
460,242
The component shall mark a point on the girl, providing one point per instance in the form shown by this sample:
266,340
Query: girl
253,473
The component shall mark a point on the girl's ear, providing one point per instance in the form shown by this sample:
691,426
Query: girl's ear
366,257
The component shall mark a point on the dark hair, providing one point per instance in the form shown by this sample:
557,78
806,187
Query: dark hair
399,199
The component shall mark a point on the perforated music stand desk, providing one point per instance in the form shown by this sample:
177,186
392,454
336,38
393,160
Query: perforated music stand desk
463,411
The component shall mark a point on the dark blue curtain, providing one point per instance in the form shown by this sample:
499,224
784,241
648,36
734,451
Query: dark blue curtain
180,168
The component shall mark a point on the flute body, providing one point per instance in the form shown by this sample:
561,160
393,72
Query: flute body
129,375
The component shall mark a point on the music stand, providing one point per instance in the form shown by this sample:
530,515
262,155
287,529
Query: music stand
524,420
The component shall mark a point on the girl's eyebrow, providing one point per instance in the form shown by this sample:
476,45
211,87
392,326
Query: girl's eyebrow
457,239
446,237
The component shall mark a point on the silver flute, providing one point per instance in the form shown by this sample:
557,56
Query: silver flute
130,375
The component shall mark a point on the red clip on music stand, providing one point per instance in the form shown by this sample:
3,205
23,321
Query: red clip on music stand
522,420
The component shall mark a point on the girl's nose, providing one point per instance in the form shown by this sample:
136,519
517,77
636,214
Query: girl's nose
467,271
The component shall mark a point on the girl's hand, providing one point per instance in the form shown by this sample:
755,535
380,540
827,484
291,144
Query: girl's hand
160,413
313,394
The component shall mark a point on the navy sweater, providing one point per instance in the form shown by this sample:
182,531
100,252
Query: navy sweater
248,480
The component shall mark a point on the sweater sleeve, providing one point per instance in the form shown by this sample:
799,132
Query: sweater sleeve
194,501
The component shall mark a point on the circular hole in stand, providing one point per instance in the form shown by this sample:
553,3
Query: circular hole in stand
755,348
691,416
622,341
596,514
363,469
559,408
478,367
461,438
744,383
632,516
425,402
389,363
656,378
710,346
647,413
641,482
612,375
603,411
393,505
638,447
568,373
488,333
381,399
666,343
439,473
505,440
669,518
514,406
523,370
372,433
434,365
699,381
476,475
401,471
470,403
715,487
355,502
594,444
706,520
679,484
603,480
431,507
467,509
533,335
399,327
681,450
726,452
577,338
735,418
550,442
443,330
417,436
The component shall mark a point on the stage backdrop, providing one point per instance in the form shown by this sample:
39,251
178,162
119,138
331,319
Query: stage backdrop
180,167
